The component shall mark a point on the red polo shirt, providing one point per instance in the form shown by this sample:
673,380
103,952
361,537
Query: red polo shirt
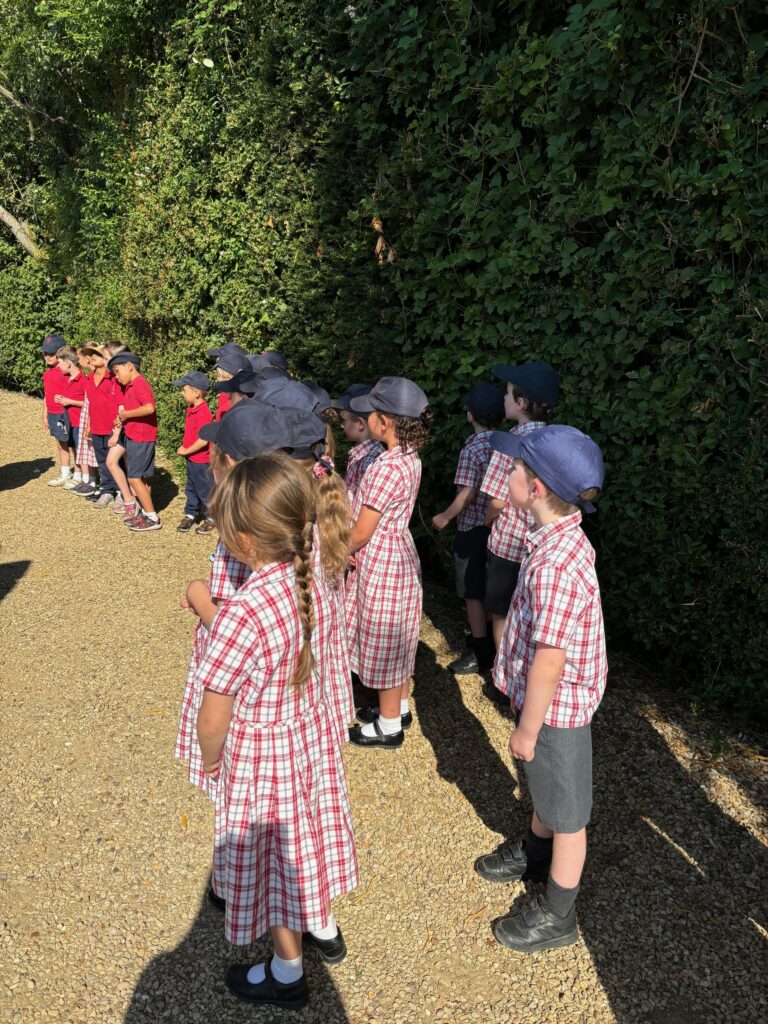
73,388
102,402
136,394
197,415
54,383
224,404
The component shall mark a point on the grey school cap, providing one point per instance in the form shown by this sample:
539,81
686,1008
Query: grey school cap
287,394
234,362
306,432
353,391
276,359
537,380
397,396
240,382
52,343
249,428
195,379
124,357
563,458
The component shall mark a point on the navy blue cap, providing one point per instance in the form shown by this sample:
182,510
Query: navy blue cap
538,381
353,391
52,343
322,396
229,346
124,357
486,403
265,368
287,394
249,428
240,382
195,379
563,458
396,395
234,362
276,359
306,433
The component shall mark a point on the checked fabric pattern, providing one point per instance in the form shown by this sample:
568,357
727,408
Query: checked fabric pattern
358,460
338,678
511,525
470,471
557,602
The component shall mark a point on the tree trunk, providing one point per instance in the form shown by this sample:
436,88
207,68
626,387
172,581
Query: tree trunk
21,233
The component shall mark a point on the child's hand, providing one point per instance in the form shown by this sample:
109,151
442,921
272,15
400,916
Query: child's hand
120,416
111,442
212,770
522,745
440,521
184,603
352,562
181,450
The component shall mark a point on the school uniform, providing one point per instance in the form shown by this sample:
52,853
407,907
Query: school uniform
54,383
103,399
384,597
360,457
85,455
506,544
470,542
284,846
227,576
224,404
338,677
141,433
73,389
557,602
199,480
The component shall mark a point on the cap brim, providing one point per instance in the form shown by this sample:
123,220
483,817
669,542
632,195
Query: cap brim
180,383
214,352
507,444
361,404
209,431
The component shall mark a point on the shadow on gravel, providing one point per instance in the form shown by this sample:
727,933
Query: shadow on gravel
164,489
674,890
187,984
16,474
10,574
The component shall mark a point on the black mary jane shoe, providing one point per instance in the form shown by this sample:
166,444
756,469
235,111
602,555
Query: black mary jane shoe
536,928
333,951
216,901
268,992
366,715
357,737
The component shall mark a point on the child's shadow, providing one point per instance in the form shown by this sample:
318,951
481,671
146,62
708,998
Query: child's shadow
164,489
187,984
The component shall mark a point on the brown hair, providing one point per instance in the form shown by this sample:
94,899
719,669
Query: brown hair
412,432
65,352
536,410
113,347
332,516
559,505
264,507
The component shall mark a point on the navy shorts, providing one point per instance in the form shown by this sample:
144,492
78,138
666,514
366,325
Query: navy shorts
139,459
470,551
58,426
500,583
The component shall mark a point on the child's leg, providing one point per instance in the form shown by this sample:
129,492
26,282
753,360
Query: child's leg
287,942
141,490
569,851
114,467
287,965
497,622
63,453
478,623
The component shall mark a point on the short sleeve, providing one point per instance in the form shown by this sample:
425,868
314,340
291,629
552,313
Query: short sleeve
469,471
381,486
228,575
144,393
229,655
557,604
496,480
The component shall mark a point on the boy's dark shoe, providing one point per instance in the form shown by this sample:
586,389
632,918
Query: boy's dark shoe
205,527
94,495
333,951
216,901
83,489
509,863
268,992
357,736
466,665
496,696
185,525
367,715
536,928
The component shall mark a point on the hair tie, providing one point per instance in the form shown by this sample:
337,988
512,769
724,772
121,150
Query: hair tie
323,467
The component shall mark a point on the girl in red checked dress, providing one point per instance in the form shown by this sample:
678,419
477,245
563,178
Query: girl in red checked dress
284,845
384,596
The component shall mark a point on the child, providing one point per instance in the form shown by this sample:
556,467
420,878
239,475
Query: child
229,363
552,666
239,387
485,411
532,392
101,394
85,455
125,500
139,421
71,397
55,420
365,449
384,597
284,844
196,450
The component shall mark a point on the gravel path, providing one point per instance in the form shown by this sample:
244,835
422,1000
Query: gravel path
105,848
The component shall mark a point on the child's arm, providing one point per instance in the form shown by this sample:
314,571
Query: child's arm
495,508
114,438
196,446
133,414
363,528
197,598
465,497
212,728
69,401
544,675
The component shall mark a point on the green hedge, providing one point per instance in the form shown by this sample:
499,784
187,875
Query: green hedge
435,188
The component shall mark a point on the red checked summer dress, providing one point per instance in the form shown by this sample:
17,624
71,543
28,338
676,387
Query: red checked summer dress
384,594
227,577
284,846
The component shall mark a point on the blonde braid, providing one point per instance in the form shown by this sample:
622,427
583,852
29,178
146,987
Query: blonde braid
302,563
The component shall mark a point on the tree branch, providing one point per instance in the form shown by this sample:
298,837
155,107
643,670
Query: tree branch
22,234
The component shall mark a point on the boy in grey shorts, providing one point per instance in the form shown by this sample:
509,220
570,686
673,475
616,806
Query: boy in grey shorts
552,665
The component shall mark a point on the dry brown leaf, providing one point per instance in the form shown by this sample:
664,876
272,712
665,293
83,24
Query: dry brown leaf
270,222
377,225
320,251
184,821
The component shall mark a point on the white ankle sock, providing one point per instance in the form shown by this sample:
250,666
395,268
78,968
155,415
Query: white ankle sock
77,476
65,471
330,931
286,971
404,707
390,726
152,515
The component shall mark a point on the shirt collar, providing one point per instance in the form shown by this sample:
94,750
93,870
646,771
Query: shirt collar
551,531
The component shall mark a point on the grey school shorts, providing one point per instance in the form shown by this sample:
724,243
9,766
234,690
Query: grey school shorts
139,459
560,778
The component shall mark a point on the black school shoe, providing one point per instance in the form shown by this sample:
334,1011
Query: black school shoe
216,901
268,992
466,665
535,928
509,863
367,715
357,737
333,951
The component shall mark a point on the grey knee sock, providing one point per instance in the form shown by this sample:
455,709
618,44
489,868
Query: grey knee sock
560,900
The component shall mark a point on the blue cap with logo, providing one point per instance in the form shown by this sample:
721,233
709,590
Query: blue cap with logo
193,379
486,403
566,460
52,343
538,381
397,396
249,428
